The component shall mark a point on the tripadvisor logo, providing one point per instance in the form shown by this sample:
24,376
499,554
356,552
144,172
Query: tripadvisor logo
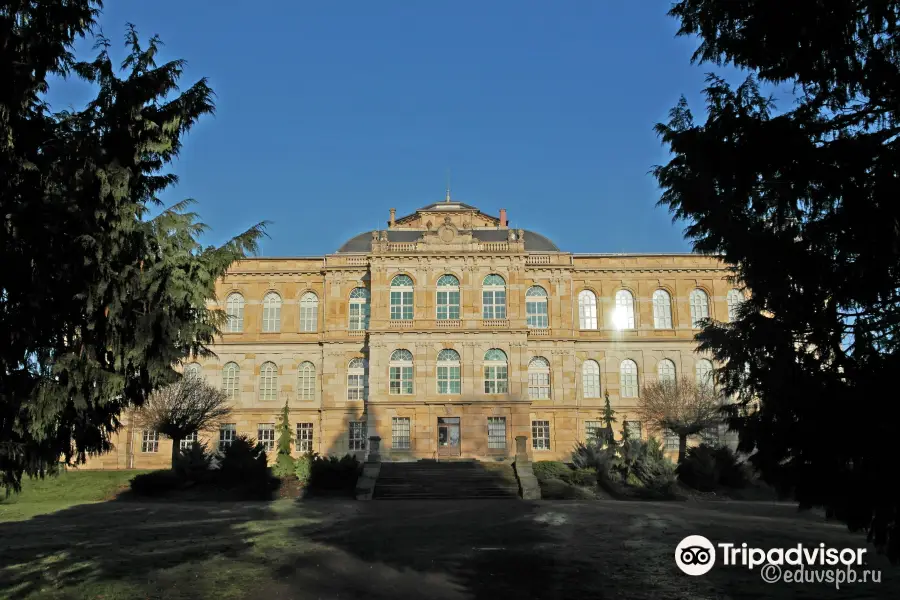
695,555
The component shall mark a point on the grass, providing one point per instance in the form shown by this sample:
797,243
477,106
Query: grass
69,488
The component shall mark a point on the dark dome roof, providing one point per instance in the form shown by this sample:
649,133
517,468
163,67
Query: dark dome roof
534,242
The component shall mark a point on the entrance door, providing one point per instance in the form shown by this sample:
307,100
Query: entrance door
448,436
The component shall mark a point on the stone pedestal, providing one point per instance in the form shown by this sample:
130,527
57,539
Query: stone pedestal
374,447
528,484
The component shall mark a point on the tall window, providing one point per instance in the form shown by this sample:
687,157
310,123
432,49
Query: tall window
587,309
496,433
358,380
590,379
271,312
495,372
662,310
309,312
401,372
265,435
192,370
623,317
539,378
447,298
359,309
448,372
306,381
150,441
227,434
188,441
628,379
493,297
234,312
734,299
268,381
400,433
231,380
536,308
704,372
633,430
699,307
665,370
401,298
304,437
357,435
540,435
670,440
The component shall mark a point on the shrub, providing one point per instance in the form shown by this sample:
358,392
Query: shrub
733,472
643,467
285,466
551,469
706,467
592,456
302,468
193,464
583,477
155,483
333,473
243,464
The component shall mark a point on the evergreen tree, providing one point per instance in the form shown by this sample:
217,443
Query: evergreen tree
608,437
284,462
801,201
98,302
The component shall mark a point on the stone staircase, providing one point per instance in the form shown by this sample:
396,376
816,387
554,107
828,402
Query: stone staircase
445,479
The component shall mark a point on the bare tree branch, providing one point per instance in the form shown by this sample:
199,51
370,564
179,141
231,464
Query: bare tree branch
684,406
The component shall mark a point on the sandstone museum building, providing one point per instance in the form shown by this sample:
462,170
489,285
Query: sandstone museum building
448,334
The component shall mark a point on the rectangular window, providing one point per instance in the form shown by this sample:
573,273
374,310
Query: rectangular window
540,435
401,306
670,440
539,386
449,381
493,304
496,433
227,433
304,437
401,380
400,433
710,436
265,435
447,305
633,429
188,441
357,438
150,441
592,429
495,380
536,314
359,316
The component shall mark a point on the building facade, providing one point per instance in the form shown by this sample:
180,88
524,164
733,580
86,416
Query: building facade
448,334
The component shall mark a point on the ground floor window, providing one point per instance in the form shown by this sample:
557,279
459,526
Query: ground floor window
227,433
188,441
150,441
540,435
400,433
304,437
357,439
710,436
496,433
592,431
670,439
265,435
633,430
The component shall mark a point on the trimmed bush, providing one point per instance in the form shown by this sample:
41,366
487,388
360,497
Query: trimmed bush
551,469
706,468
330,473
243,462
193,464
284,466
302,468
156,483
583,477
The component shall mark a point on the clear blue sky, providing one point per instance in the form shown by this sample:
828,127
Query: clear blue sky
330,113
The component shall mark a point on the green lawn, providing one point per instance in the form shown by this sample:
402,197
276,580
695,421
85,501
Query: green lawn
41,496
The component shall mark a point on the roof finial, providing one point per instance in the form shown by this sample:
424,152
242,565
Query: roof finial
447,199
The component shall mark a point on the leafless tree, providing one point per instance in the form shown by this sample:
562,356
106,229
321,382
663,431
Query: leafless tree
183,408
684,406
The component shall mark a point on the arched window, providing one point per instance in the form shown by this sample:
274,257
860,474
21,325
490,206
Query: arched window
628,379
539,378
662,310
590,379
493,297
623,317
496,379
536,308
734,299
448,372
447,298
358,380
699,307
665,370
234,313
192,370
704,372
231,380
268,381
587,309
401,372
401,298
359,309
309,312
306,381
271,312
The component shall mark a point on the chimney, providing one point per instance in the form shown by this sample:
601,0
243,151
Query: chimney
503,221
393,216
